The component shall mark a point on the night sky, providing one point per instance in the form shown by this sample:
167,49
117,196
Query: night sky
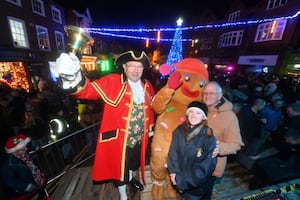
162,13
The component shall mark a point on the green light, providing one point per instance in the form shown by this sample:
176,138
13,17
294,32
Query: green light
105,66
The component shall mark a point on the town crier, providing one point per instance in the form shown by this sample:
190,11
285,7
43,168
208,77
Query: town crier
127,115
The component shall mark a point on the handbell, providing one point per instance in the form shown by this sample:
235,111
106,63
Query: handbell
77,39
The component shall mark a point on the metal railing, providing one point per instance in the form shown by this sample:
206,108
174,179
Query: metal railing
68,152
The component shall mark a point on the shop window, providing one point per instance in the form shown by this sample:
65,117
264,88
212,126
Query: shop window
18,32
14,75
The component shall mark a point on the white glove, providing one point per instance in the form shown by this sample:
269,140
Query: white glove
67,68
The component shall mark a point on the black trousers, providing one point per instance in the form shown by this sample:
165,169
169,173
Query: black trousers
132,162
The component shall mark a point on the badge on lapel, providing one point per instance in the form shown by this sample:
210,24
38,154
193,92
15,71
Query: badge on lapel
199,152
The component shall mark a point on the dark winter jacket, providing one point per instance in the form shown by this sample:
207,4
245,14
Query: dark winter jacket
15,176
190,158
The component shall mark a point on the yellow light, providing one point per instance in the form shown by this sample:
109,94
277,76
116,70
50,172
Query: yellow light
158,36
147,43
193,43
273,26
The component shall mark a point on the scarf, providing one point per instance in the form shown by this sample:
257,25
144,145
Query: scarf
38,176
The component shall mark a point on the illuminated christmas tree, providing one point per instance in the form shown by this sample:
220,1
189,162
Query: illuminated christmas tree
175,53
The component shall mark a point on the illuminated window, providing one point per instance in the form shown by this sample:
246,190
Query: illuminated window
43,38
18,32
38,7
270,31
56,15
233,38
16,2
60,42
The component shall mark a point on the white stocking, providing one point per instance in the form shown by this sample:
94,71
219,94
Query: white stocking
130,175
122,191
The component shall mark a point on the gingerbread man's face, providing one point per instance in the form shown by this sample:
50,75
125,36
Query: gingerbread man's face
191,89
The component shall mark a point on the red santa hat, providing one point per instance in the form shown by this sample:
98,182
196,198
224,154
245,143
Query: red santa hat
16,143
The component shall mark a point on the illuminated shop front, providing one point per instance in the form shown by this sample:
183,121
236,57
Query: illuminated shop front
259,63
292,65
100,65
88,63
14,74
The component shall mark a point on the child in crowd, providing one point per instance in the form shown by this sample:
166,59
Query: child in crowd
19,174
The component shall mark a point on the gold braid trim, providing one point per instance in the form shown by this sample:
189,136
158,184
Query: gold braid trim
106,99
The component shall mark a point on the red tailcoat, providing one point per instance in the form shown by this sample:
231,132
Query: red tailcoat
111,146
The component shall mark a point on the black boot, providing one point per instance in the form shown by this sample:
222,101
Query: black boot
136,184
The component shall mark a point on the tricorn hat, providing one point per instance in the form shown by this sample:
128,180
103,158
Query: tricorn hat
16,143
133,56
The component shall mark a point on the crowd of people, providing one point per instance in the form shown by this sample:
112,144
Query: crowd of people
263,105
238,113
31,113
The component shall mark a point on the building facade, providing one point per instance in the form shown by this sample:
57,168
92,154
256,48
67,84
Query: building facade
258,36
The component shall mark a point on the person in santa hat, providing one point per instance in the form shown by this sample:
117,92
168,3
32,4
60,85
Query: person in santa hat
20,176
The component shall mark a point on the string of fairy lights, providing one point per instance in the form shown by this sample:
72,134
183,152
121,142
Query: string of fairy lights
133,33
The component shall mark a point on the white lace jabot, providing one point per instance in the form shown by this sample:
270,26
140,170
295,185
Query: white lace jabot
137,91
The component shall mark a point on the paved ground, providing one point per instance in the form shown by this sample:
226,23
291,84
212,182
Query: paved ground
235,182
238,183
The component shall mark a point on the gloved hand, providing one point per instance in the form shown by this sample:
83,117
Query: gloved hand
174,81
67,69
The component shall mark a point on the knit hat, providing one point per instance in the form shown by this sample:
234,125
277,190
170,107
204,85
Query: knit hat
16,143
200,106
133,56
192,65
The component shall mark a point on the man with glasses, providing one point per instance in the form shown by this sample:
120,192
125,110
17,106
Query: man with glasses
224,123
127,116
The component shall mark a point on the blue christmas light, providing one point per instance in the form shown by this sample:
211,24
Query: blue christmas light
109,31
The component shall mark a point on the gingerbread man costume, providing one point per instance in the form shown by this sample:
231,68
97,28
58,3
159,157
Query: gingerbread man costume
170,103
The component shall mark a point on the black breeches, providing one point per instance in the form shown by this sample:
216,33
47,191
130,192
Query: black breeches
132,162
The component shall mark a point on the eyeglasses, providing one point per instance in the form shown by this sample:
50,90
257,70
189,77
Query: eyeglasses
138,67
210,93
